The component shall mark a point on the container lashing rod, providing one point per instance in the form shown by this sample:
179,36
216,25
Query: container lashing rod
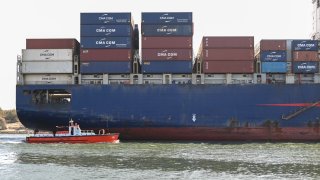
296,113
136,60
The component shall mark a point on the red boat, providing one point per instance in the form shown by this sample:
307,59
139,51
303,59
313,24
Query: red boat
74,135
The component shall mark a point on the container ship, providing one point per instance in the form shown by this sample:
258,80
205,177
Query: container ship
229,90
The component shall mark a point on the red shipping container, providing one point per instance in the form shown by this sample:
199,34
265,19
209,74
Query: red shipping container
228,54
166,42
228,42
228,66
305,56
273,45
52,44
105,55
166,54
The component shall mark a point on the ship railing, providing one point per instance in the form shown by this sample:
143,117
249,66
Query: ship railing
87,132
19,77
299,111
41,135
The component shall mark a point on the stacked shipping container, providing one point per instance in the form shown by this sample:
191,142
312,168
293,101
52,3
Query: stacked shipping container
226,54
106,43
50,61
301,55
305,56
273,56
167,42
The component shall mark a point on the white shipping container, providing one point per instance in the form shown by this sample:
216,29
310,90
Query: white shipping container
47,67
47,54
47,79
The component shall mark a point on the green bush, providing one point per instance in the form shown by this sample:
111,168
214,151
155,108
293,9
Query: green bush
1,113
9,115
3,125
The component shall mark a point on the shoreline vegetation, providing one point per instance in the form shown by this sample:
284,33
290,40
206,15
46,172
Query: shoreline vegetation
10,124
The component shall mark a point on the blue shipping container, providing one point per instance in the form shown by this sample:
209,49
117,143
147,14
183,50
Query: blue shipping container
167,67
166,18
167,30
113,67
106,30
305,45
105,18
274,67
274,56
106,42
305,67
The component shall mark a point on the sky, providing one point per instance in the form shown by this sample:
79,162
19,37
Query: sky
263,19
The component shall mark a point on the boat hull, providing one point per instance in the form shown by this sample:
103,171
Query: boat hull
182,112
221,134
108,138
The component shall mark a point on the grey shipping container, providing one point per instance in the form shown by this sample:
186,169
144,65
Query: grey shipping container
47,54
47,67
289,49
47,79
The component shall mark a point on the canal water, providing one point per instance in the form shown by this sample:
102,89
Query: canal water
158,160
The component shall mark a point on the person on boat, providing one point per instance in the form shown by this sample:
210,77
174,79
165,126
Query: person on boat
71,122
71,127
36,131
77,130
75,127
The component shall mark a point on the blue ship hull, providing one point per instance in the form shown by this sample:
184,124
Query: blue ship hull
181,112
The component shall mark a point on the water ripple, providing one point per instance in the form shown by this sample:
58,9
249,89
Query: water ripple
160,160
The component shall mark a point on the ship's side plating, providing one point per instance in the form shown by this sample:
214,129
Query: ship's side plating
181,112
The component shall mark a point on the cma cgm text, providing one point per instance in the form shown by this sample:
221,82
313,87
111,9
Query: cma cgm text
305,45
105,18
105,42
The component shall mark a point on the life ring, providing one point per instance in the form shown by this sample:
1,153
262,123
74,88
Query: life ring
102,131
